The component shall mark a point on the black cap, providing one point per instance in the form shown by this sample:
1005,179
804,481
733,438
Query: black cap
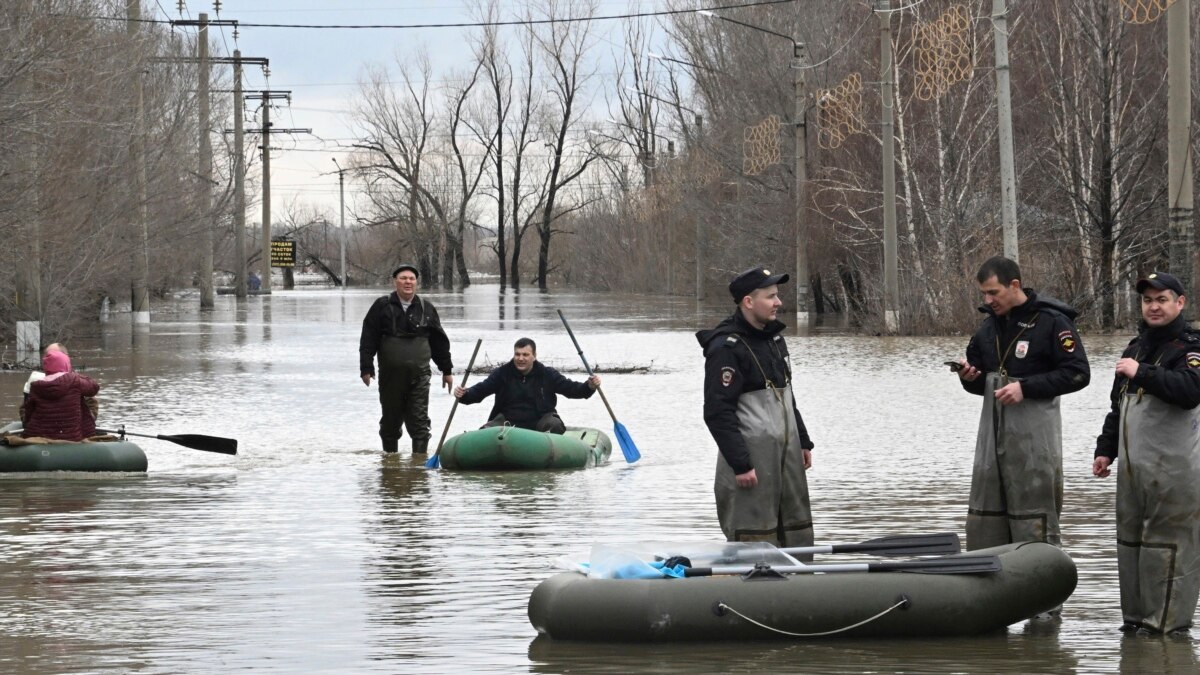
408,267
1161,281
754,278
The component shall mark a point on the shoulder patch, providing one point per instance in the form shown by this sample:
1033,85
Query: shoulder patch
727,375
731,339
1193,359
1067,340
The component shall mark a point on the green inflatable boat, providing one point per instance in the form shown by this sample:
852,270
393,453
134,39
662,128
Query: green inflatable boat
17,455
1033,577
516,449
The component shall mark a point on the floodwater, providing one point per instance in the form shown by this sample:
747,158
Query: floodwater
311,551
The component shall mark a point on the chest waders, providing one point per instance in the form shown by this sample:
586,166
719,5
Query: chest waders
404,390
777,509
1158,512
1017,479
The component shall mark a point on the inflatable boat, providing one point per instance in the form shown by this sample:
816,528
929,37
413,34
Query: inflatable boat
957,596
513,448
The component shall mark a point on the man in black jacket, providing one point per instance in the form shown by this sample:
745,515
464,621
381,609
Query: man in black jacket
406,332
1152,427
761,486
526,391
1026,354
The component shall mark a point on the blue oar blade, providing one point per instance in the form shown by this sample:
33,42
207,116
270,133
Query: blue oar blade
433,462
628,447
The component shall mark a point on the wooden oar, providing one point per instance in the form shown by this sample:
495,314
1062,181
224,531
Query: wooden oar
435,461
225,446
628,448
985,564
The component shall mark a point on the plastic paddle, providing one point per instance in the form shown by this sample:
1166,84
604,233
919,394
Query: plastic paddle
435,461
628,448
979,564
225,446
912,544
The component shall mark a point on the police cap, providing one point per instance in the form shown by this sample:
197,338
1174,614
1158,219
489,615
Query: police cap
406,266
1161,281
752,279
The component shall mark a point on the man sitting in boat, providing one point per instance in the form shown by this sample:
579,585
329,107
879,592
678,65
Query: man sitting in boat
57,407
526,391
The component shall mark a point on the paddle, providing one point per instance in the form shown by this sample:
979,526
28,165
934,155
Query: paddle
912,544
628,448
985,564
225,446
435,461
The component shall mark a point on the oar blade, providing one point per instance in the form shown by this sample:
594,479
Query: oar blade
943,543
225,446
628,447
967,564
433,462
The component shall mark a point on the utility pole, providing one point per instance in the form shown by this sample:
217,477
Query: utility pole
1179,158
29,276
139,298
239,181
342,226
891,285
266,96
1008,178
700,227
206,181
800,66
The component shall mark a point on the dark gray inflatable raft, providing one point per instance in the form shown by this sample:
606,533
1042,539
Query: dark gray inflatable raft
1034,578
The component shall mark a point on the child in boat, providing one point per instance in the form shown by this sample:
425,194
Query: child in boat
57,405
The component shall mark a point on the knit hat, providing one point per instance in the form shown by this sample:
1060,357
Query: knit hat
56,362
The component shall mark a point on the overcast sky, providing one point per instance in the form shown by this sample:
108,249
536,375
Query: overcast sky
321,67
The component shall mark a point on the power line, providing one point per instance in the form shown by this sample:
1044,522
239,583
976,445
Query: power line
476,24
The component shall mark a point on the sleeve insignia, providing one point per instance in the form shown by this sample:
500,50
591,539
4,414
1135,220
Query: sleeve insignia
1193,360
1067,340
727,374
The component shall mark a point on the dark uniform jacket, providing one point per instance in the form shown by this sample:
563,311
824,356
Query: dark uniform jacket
1036,343
523,399
56,407
1169,370
388,318
729,370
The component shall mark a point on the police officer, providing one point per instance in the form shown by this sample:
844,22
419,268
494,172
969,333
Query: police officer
405,331
1152,428
761,487
1024,356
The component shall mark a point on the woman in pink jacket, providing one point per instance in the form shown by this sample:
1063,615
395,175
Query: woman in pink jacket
56,407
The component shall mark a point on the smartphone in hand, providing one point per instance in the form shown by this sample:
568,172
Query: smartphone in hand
954,365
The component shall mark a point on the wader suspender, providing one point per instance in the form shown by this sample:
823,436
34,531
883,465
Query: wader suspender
771,386
423,322
1140,392
1004,357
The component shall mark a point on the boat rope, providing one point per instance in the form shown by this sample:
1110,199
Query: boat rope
901,603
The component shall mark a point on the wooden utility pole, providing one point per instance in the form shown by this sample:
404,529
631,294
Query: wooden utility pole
1008,178
891,285
265,97
800,66
139,235
1179,155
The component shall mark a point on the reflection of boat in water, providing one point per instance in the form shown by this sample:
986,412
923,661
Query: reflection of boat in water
513,448
20,455
1034,577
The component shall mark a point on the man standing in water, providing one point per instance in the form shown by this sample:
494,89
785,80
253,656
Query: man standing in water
405,331
1028,353
761,487
1153,429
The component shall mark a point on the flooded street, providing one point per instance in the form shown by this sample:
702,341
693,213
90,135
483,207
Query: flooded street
312,551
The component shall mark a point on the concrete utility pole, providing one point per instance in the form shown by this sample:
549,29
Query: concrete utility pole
699,227
891,284
206,181
1008,178
29,276
800,65
139,298
1179,156
266,96
239,180
342,225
